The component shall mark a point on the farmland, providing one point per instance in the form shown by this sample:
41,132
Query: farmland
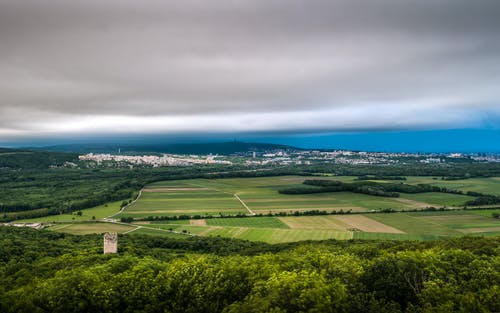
209,199
98,212
260,195
392,226
91,228
490,185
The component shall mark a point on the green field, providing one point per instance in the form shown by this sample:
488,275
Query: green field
487,213
438,199
451,223
218,196
260,195
256,222
188,202
98,212
490,185
152,232
91,228
280,235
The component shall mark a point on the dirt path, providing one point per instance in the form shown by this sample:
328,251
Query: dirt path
129,231
122,209
244,204
152,228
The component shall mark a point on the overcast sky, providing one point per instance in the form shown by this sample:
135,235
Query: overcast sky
110,67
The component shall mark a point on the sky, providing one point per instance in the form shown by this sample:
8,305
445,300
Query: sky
104,69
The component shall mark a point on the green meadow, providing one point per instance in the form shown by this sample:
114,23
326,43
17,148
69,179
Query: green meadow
85,228
260,195
98,212
244,196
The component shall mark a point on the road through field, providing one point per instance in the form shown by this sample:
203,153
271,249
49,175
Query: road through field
123,208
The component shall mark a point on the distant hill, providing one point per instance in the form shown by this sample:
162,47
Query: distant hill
221,148
30,159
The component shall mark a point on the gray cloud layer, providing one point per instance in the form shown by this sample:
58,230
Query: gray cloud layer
182,66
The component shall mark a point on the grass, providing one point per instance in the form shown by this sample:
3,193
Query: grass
466,223
411,224
98,212
91,228
189,202
490,185
487,213
387,236
279,235
176,222
261,196
438,199
153,232
257,222
315,222
441,223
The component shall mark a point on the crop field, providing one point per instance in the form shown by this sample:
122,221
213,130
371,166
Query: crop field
184,201
91,228
257,222
349,222
487,213
97,212
260,195
451,223
278,235
383,226
152,232
387,226
490,185
438,199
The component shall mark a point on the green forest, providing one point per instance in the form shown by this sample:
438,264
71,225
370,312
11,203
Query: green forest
43,271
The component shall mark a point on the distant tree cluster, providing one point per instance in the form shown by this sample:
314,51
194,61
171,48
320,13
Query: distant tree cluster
380,177
365,187
34,160
484,200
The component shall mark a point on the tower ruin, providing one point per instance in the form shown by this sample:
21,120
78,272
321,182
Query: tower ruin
110,243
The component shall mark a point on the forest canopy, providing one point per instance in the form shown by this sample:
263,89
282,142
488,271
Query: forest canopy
49,272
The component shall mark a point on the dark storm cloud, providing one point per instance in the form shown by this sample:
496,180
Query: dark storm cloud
155,66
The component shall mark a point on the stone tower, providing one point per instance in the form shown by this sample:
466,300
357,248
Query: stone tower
110,243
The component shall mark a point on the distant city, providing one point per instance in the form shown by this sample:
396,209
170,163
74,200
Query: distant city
283,157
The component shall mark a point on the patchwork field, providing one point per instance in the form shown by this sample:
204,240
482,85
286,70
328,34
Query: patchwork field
157,201
260,195
216,197
393,226
453,223
349,222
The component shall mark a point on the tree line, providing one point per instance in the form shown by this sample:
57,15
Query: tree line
385,190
